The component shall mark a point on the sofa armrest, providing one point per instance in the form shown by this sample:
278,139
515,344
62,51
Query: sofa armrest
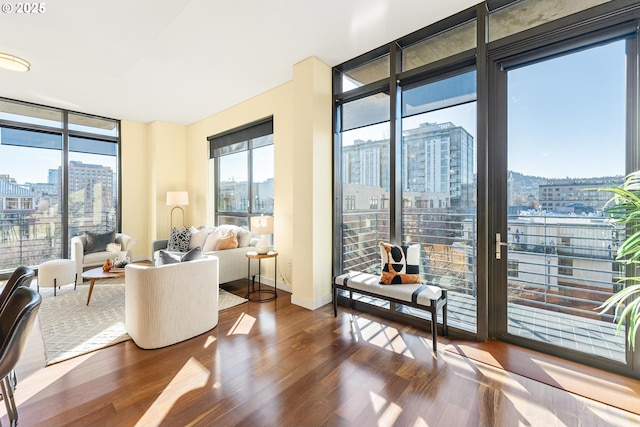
156,245
125,241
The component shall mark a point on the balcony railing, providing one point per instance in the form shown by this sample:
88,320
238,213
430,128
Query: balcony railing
30,239
560,264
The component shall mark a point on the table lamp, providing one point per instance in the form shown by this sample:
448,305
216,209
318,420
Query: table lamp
262,225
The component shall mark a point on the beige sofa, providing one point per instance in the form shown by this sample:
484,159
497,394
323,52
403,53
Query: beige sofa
95,259
233,263
170,303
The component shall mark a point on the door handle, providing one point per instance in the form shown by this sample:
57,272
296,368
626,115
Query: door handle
499,245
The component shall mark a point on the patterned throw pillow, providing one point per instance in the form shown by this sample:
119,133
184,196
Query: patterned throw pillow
400,264
179,240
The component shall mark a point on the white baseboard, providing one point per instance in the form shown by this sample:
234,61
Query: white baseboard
310,304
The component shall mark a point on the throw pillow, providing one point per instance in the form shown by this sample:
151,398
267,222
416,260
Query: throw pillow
400,264
227,242
179,240
169,258
193,254
198,237
244,237
97,242
211,242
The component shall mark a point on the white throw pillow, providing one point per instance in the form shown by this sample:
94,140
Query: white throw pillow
211,242
198,237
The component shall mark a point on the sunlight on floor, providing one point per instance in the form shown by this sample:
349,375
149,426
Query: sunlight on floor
564,378
381,335
210,340
181,384
243,325
390,410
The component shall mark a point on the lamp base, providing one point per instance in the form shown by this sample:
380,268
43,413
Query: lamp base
262,247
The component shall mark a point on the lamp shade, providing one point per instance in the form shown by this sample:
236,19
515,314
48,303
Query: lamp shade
177,198
262,225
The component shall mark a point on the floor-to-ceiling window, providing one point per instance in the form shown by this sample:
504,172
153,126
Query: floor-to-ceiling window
241,160
58,179
407,158
501,121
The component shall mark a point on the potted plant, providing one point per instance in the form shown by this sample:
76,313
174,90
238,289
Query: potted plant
624,209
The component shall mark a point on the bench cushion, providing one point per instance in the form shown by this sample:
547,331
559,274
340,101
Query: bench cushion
417,293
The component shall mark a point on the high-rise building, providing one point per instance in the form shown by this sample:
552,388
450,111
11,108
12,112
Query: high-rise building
437,168
91,187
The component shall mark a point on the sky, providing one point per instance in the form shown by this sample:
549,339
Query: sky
566,116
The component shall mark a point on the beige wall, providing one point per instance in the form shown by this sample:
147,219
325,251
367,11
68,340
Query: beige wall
170,157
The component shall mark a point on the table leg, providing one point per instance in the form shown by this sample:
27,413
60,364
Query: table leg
93,281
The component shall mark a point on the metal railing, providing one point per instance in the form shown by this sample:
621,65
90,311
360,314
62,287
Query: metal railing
562,264
30,239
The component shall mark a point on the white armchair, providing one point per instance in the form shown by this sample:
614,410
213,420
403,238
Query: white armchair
171,303
95,259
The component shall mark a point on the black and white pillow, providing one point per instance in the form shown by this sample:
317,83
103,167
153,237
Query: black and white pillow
179,240
400,264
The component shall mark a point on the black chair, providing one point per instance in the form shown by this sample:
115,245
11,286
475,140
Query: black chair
21,276
16,322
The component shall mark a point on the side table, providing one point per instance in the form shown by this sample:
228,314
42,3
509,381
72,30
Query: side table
260,257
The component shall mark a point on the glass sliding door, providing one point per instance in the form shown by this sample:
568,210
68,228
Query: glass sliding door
566,121
439,187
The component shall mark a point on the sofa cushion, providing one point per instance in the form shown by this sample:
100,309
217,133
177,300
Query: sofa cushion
228,241
400,264
97,242
198,237
242,235
179,240
165,257
211,242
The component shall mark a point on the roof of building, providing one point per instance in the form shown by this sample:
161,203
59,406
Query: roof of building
9,189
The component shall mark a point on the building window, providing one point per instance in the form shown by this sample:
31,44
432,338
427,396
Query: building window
565,266
350,203
242,163
373,202
39,213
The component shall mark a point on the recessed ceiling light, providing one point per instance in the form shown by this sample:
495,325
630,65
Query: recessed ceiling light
13,63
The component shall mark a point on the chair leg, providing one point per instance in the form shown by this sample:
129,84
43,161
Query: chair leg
55,285
10,403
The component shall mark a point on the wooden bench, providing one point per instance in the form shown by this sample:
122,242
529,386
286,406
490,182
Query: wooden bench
424,297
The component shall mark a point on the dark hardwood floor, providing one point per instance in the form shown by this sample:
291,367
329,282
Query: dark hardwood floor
277,364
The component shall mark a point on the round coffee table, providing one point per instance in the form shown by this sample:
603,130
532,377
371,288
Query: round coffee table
97,274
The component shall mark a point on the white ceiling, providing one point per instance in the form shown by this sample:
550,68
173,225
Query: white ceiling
183,60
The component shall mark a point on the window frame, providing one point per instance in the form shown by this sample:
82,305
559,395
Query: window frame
66,134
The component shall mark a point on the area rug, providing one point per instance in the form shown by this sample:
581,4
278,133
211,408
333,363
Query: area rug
608,388
71,328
